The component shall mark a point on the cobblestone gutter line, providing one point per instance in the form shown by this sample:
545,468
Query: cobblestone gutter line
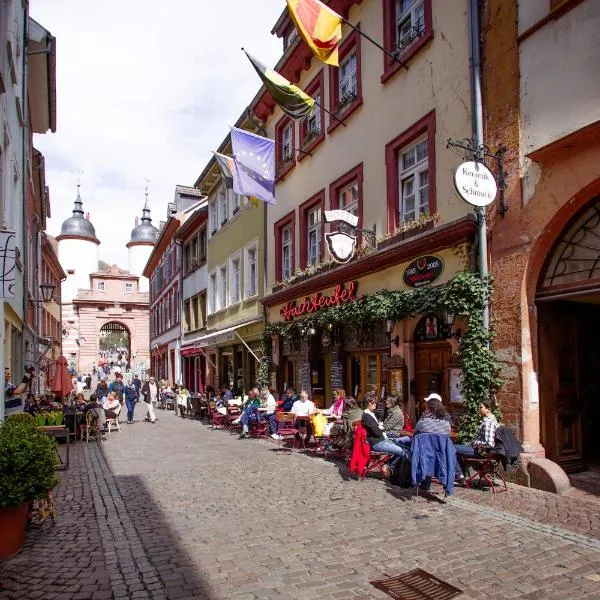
525,523
131,574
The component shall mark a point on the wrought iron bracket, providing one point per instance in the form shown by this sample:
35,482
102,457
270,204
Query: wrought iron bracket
484,154
370,235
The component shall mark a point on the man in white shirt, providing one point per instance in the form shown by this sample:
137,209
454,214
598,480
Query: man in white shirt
268,402
303,407
150,396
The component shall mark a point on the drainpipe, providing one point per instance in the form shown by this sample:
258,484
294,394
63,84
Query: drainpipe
477,133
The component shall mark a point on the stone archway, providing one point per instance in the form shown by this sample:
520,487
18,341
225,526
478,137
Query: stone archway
568,306
114,340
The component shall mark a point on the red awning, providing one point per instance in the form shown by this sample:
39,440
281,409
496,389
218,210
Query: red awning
191,351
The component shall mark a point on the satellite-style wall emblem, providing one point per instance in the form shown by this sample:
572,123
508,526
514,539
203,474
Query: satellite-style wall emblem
342,243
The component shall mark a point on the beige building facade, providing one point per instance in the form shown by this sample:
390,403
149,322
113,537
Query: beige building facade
388,165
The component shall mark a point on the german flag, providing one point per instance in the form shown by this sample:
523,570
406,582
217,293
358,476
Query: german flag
319,26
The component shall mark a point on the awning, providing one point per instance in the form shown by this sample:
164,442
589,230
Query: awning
223,335
191,351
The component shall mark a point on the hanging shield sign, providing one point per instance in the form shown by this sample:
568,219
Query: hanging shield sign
341,246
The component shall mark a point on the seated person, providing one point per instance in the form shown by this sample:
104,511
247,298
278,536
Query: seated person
31,405
270,404
112,406
303,407
377,438
80,403
394,422
485,440
250,413
337,408
352,412
288,401
97,410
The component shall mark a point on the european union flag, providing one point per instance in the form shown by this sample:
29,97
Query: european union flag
254,165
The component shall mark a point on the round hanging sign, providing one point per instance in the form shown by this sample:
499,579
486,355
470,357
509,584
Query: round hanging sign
423,271
475,183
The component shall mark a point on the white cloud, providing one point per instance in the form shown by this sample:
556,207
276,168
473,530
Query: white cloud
145,90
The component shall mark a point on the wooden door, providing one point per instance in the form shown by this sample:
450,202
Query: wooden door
569,383
431,371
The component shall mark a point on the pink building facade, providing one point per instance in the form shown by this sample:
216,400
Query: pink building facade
113,301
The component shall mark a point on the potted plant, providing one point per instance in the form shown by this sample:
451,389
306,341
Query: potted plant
27,457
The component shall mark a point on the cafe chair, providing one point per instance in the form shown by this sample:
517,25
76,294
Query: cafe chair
433,458
487,469
217,418
286,429
362,460
113,422
259,429
89,428
232,417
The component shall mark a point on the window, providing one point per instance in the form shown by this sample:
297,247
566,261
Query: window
100,286
202,308
222,291
251,272
285,232
284,146
212,293
202,246
346,193
235,202
345,82
129,288
223,206
312,130
288,38
214,218
410,160
234,284
311,230
407,27
194,313
187,316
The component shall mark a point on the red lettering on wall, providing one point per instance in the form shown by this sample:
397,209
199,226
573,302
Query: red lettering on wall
312,304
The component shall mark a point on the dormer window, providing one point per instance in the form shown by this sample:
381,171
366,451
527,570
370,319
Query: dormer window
289,38
100,286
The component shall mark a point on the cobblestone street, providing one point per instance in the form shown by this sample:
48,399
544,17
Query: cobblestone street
176,510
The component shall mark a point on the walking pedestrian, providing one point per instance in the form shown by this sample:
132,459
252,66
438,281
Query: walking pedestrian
150,395
131,397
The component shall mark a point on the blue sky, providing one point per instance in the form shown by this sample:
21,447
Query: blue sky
145,89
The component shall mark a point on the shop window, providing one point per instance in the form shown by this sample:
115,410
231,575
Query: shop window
407,27
312,130
345,86
410,165
312,235
285,140
285,241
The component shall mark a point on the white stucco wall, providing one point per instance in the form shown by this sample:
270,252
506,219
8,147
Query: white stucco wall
137,259
560,70
80,256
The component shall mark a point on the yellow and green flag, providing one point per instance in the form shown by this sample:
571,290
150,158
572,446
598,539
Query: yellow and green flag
292,100
319,26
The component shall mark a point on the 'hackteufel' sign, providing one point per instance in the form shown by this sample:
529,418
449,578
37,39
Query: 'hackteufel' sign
311,304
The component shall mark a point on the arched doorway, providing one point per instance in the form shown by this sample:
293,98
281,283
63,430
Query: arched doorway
114,342
433,355
568,303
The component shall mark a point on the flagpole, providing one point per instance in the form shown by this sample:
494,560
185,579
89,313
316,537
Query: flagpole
330,114
387,52
294,149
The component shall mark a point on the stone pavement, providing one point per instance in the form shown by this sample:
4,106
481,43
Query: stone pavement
176,510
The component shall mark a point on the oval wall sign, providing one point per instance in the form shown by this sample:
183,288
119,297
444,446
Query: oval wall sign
423,271
475,183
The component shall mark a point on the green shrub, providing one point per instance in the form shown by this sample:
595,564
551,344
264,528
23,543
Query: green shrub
27,457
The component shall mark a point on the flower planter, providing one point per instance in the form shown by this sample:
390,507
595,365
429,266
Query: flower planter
12,526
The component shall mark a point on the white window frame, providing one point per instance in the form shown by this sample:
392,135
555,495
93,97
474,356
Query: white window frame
348,80
222,286
410,21
223,206
313,123
417,175
235,202
129,288
212,293
313,235
286,244
214,217
351,207
287,136
100,287
250,282
234,285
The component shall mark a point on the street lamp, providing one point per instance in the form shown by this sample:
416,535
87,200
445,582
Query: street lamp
47,292
389,327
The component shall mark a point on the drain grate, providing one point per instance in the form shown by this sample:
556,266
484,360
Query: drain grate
416,585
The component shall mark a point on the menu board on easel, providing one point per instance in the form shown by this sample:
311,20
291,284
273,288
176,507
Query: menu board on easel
396,378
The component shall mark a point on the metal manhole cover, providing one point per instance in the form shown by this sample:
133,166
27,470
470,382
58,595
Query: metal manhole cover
416,585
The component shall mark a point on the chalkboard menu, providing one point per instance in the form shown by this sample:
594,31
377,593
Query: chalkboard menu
305,383
337,375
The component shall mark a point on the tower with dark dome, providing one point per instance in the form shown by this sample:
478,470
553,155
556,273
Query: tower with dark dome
143,239
77,251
